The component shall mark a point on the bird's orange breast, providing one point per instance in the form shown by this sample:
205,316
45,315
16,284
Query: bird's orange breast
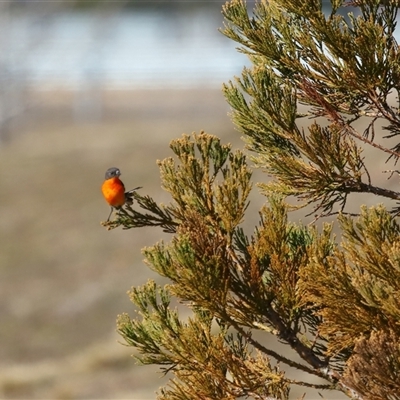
114,192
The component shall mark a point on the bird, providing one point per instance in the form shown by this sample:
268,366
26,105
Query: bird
113,190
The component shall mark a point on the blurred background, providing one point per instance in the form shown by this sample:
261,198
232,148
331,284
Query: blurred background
86,85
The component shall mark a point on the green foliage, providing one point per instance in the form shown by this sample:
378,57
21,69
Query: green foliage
338,70
334,303
230,282
216,364
362,280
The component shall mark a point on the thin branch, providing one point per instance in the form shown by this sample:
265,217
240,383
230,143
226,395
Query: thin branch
351,131
333,115
383,108
366,188
275,355
312,385
392,171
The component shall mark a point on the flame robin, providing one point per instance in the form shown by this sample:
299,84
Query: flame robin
114,190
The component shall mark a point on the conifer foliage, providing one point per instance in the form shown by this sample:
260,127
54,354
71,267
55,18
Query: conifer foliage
333,302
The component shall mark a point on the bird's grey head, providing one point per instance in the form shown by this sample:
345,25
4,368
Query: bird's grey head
112,173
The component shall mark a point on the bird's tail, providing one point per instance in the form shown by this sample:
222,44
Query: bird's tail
129,195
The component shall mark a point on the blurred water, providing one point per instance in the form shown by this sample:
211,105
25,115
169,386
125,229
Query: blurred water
118,49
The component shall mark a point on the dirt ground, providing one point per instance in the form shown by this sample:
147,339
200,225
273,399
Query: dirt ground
63,277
